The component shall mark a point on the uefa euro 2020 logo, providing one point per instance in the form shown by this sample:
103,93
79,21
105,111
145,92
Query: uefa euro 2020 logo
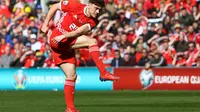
146,78
20,80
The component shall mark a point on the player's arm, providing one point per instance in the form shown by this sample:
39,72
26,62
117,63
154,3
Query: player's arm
73,34
78,32
50,14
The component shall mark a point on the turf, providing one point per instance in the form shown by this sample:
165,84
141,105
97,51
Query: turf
102,101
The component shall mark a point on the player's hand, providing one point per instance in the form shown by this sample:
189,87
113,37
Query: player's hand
58,39
45,28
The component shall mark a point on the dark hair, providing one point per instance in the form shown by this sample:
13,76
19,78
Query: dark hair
100,3
183,9
192,43
133,46
117,50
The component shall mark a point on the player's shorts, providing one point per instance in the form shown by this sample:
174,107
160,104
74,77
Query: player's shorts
62,52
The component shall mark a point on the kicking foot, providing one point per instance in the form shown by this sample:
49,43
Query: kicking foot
108,77
70,110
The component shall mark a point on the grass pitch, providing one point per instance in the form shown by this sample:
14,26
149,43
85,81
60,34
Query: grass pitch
101,101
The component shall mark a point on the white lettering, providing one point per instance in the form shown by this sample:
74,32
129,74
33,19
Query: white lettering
73,26
46,80
195,80
171,79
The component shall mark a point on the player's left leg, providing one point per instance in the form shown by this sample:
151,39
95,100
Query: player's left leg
91,43
69,87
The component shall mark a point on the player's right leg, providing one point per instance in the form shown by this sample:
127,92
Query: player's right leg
69,88
91,43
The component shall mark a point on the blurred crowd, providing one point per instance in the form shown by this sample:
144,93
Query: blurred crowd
164,33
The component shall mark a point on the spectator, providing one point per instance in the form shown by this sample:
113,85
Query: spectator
16,62
49,62
39,13
124,40
3,46
108,57
133,50
168,53
138,54
35,45
110,6
4,9
28,59
139,40
128,60
158,60
197,40
198,62
17,52
196,26
191,34
7,58
40,59
179,60
147,34
193,55
195,13
181,45
117,60
167,24
144,59
185,18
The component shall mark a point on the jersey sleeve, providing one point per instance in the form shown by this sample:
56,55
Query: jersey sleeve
91,24
64,5
69,5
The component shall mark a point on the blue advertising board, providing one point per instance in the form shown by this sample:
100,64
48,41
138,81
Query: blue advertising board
50,79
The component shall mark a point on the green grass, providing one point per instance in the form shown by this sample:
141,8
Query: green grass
102,101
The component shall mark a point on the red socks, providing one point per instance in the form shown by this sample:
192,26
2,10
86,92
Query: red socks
70,84
69,93
95,54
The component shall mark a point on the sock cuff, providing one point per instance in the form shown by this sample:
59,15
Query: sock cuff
70,80
93,48
69,83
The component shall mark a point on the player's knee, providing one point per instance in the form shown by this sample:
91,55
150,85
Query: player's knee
72,77
92,42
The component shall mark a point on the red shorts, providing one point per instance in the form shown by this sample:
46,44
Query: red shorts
62,52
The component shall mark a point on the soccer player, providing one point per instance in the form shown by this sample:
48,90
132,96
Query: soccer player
78,19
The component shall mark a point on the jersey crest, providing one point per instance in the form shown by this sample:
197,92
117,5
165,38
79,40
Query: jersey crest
65,2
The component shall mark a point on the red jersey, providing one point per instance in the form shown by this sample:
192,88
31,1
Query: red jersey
2,48
4,10
181,61
168,55
74,16
197,38
131,37
191,37
191,60
138,56
29,61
